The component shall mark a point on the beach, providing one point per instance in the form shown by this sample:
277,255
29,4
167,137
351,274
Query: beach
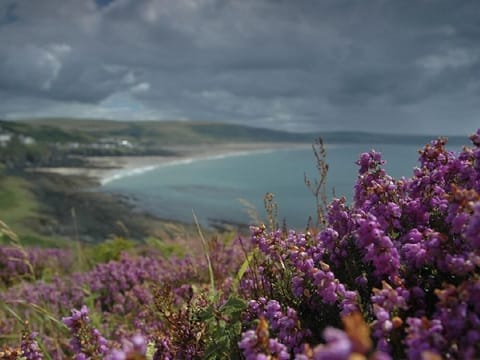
103,169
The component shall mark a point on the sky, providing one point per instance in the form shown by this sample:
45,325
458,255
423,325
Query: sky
399,66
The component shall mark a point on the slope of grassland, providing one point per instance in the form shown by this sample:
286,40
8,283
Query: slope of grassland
19,209
16,200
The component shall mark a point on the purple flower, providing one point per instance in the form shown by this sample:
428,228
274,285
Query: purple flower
29,346
337,346
257,344
472,231
423,336
87,342
284,324
134,348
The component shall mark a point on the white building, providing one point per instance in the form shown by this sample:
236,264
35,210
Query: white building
5,139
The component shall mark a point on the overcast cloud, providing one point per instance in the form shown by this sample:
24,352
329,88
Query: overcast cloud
389,66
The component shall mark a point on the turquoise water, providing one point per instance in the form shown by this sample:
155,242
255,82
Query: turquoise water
218,188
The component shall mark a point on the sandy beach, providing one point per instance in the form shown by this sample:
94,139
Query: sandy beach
107,168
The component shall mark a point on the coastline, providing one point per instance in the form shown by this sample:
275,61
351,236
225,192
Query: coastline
103,169
73,205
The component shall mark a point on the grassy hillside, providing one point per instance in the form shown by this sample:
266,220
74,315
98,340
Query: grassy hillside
16,200
165,133
162,132
20,209
46,132
52,210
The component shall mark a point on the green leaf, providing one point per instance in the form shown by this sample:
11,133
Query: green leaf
233,304
218,348
206,314
242,270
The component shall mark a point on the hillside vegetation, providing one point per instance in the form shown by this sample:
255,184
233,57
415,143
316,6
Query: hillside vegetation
195,132
164,132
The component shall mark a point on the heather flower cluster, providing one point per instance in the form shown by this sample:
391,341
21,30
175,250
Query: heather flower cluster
257,344
134,348
29,346
394,274
17,264
121,297
403,255
87,342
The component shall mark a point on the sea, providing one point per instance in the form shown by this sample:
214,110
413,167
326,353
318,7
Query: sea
231,188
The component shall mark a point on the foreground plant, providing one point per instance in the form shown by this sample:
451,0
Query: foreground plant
405,254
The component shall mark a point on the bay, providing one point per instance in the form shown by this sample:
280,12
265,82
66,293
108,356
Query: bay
218,188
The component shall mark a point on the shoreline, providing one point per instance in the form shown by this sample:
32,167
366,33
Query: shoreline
99,214
103,169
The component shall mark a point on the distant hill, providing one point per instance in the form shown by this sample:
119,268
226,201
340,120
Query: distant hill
358,137
164,133
45,132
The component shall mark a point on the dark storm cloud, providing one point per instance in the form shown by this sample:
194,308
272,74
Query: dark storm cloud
9,16
384,65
